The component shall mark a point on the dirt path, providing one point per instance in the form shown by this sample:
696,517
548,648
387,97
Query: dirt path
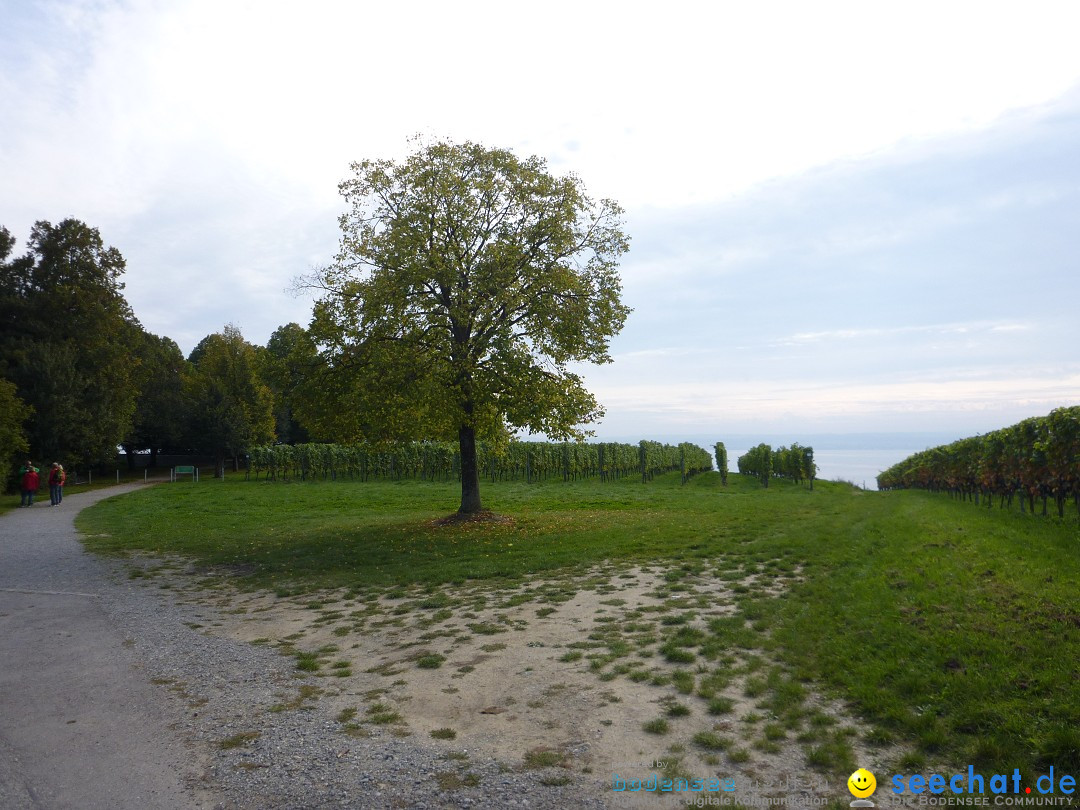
80,727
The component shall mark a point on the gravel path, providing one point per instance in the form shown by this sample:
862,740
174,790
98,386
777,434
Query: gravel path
112,697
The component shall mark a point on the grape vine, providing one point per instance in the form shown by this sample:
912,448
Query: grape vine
795,463
513,461
1038,458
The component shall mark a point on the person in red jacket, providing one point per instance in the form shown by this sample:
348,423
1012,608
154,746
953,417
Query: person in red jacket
30,483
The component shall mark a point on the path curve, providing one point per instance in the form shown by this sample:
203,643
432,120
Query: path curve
81,725
116,693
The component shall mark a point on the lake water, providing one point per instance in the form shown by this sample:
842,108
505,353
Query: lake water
860,467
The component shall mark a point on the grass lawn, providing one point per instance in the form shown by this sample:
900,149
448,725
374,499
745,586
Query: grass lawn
950,628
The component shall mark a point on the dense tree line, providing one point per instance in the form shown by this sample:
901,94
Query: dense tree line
65,333
1038,458
80,377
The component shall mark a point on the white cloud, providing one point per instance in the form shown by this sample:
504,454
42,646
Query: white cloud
831,335
694,103
848,193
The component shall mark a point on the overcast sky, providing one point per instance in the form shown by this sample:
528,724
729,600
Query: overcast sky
844,216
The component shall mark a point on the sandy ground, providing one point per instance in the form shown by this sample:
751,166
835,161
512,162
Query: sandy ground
562,672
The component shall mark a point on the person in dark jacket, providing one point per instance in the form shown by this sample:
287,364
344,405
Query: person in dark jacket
30,483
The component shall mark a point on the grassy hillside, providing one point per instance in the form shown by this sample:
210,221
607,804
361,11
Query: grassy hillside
953,629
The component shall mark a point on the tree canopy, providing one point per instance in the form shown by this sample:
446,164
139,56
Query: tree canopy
284,364
162,408
79,376
13,414
232,409
466,282
66,332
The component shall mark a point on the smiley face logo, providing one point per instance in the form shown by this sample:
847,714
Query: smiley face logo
862,783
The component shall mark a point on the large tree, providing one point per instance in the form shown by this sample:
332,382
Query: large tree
66,334
466,283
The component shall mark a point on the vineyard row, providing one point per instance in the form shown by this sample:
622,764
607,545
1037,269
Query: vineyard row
1036,458
796,463
441,461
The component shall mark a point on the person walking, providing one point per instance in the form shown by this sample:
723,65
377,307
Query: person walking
56,483
30,483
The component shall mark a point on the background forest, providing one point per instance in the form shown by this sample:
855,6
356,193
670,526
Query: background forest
81,377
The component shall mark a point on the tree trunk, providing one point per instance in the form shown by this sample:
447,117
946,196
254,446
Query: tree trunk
470,473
